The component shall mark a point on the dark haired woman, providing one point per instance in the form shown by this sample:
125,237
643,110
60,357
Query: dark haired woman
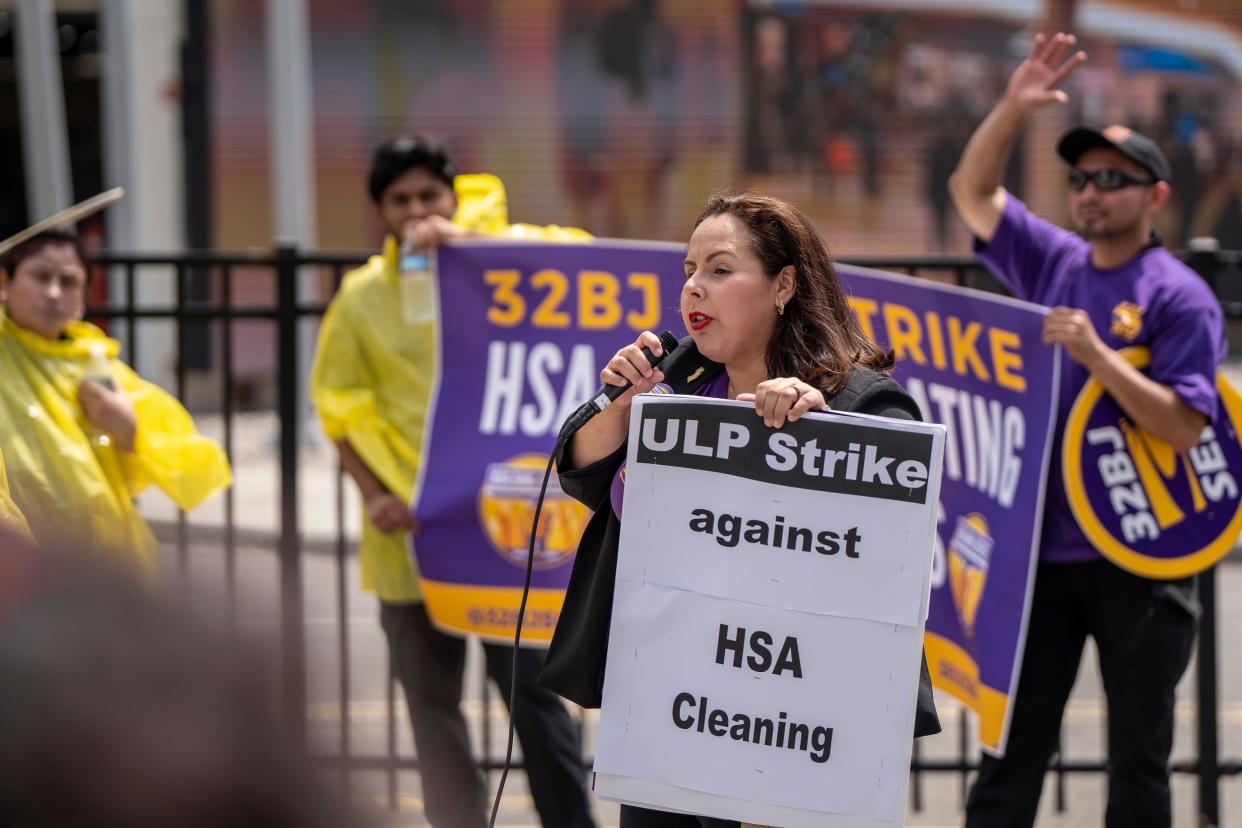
769,324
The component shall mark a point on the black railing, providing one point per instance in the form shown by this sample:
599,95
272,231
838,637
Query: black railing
281,273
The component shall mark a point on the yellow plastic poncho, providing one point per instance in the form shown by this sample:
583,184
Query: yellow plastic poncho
372,377
11,517
70,481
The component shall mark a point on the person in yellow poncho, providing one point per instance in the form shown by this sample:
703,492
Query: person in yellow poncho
371,384
82,434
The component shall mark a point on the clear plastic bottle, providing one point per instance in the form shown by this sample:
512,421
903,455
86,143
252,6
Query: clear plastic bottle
98,366
99,371
417,285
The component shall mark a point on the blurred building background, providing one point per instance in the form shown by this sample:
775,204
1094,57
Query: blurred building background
619,116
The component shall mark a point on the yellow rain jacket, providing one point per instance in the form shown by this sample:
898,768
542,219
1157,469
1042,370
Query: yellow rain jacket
372,377
69,481
11,517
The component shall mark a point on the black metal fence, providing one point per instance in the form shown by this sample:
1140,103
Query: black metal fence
216,290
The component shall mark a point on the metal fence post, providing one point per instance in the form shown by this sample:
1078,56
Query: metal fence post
1206,681
293,656
1204,259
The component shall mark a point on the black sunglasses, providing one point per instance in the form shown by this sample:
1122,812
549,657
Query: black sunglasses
1106,180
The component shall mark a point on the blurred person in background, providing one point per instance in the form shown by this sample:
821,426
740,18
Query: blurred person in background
371,384
119,712
939,160
1110,286
82,433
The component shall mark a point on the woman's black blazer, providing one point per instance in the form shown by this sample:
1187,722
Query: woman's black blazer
575,664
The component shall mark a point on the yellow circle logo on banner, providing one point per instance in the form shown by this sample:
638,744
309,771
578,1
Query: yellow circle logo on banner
1146,508
507,507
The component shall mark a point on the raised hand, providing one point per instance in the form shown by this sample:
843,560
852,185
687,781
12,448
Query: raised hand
1034,83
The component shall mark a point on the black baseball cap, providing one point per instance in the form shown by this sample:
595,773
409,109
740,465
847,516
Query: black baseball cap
1137,147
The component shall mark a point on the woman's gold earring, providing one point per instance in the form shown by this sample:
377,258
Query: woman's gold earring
780,308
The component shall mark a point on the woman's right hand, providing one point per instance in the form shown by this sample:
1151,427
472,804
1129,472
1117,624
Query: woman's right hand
602,434
630,365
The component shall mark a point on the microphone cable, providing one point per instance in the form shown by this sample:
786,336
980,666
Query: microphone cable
575,421
517,635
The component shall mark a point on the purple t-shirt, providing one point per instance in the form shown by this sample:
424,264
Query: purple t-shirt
718,387
1152,300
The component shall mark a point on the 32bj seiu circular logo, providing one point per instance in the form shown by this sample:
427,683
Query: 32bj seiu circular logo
1148,509
507,508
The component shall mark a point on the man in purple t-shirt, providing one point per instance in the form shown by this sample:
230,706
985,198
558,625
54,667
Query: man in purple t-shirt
1110,286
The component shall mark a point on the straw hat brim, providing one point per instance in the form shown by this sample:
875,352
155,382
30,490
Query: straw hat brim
69,215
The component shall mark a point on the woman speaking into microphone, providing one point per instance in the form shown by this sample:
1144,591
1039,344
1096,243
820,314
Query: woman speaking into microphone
769,324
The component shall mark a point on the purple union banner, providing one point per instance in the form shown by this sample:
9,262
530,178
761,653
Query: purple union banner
975,363
525,328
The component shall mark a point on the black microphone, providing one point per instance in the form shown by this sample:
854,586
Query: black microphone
606,394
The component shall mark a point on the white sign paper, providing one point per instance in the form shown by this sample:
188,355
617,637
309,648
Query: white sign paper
767,622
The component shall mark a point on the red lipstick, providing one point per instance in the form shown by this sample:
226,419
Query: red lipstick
698,321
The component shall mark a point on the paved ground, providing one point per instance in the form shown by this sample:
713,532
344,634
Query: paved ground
258,609
366,715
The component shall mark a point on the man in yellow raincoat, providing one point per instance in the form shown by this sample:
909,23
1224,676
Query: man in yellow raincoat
371,383
82,434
